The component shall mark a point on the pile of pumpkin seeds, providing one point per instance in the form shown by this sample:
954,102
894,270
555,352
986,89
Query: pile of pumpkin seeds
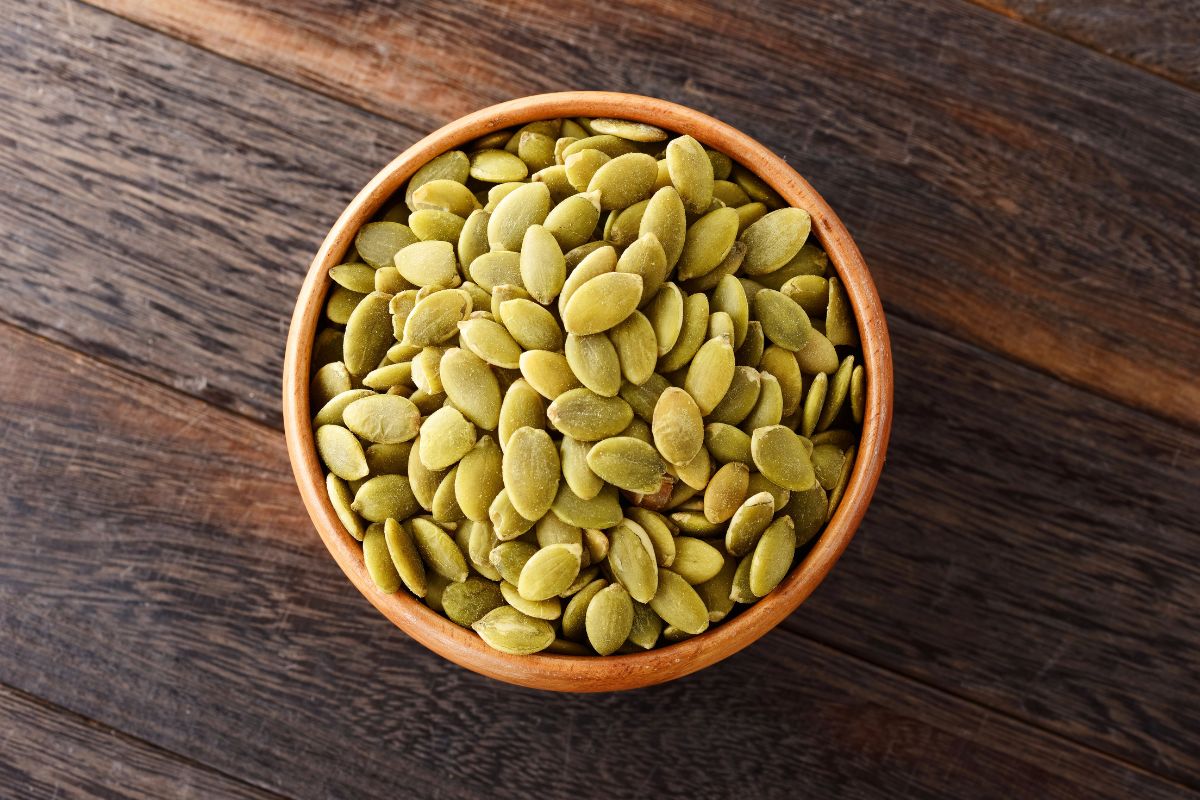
586,388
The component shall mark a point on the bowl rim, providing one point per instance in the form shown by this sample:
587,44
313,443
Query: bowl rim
593,673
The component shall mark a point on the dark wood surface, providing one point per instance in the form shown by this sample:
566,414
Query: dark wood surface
1017,616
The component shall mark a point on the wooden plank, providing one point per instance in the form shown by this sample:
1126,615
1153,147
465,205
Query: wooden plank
46,752
1007,187
160,577
910,531
1162,36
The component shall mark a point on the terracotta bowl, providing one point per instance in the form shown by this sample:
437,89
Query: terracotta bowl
577,673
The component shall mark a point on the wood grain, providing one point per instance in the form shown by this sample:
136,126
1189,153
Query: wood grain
1162,36
957,528
161,577
1051,192
46,753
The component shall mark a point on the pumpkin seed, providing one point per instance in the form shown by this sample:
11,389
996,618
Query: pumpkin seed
627,463
696,561
691,335
624,224
574,618
328,382
383,418
491,341
858,394
386,377
549,609
715,592
536,150
554,178
691,173
645,257
595,543
748,523
602,302
677,603
509,558
497,166
531,473
774,240
368,334
341,451
531,325
406,558
636,348
665,313
549,571
632,560
438,551
582,165
378,561
472,386
572,221
598,261
435,318
696,472
827,463
422,480
634,131
508,630
710,374
496,268
355,277
445,195
678,426
817,355
594,361
839,388
750,353
814,402
479,479
601,511
739,591
839,319
666,218
622,181
542,266
431,224
584,483
584,415
446,436
472,239
726,492
385,496
340,498
548,373
772,557
642,399
783,320
611,146
525,206
469,601
780,455
453,165
608,619
341,304
481,540
521,406
378,242
708,241
646,626
782,364
835,495
727,444
740,398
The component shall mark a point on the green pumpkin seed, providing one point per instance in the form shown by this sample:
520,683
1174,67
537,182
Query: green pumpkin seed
508,630
627,463
666,218
581,166
536,150
472,386
602,511
811,260
341,305
389,281
497,166
595,543
481,540
727,444
453,165
423,481
378,242
584,415
509,558
694,522
522,406
611,146
574,618
642,399
340,498
691,335
554,178
479,479
716,592
356,277
491,341
780,455
434,319
726,492
636,347
739,591
760,483
341,452
772,558
695,473
748,523
740,398
730,193
496,268
551,530
548,373
609,619
599,261
572,221
858,394
645,628
710,374
435,225
750,353
817,355
446,436
406,558
665,313
782,364
696,561
814,402
384,378
783,320
549,609
525,206
472,239
578,475
678,426
730,297
658,531
839,318
384,418
810,291
646,258
624,225
621,181
549,571
542,266
385,496
429,263
691,173
632,560
839,388
378,561
602,302
531,325
445,195
368,334
774,240
708,242
827,463
755,187
438,551
328,382
531,472
327,348
677,603
594,361
469,601
835,495
633,131
435,587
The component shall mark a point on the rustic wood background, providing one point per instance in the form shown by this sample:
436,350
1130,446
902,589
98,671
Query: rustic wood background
1019,615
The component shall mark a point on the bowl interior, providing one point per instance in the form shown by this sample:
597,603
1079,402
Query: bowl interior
591,673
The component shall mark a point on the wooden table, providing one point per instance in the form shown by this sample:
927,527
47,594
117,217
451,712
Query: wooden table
1018,616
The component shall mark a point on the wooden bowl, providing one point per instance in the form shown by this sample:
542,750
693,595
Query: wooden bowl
579,673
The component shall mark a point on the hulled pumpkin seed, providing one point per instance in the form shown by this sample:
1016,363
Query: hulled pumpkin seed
624,223
472,386
774,240
531,472
341,451
328,382
383,418
716,591
817,354
509,631
378,242
708,241
548,373
691,173
772,557
646,626
479,479
780,455
631,558
748,523
368,334
525,206
509,558
385,496
594,361
710,374
783,320
341,498
446,436
438,551
572,221
623,181
548,609
726,491
665,313
814,402
574,618
601,511
609,619
453,165
378,561
858,394
839,388
602,302
435,318
469,601
584,415
740,398
678,426
578,475
677,603
549,571
472,239
497,166
627,463
430,224
666,218
542,266
782,364
691,335
727,444
633,131
406,558
839,320
636,347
